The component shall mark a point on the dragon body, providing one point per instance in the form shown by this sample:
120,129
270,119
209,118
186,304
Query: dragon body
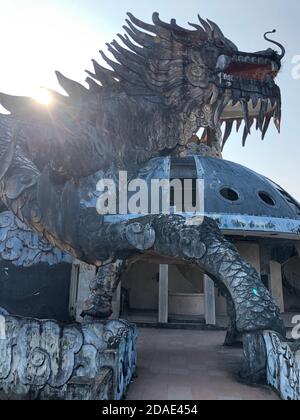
164,84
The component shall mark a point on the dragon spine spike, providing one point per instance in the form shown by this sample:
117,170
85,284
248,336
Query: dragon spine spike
146,26
93,85
205,25
72,88
16,104
136,38
121,53
178,28
216,29
201,32
128,54
123,72
143,38
103,75
126,41
158,22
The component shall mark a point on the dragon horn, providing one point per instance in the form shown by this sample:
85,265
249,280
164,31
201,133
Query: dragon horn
216,29
275,42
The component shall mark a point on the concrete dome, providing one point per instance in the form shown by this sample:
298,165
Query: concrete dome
243,200
240,200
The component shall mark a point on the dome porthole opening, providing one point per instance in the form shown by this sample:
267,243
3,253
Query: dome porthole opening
266,198
229,194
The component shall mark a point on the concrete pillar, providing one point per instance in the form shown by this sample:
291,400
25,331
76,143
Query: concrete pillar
210,301
251,252
82,275
275,284
163,304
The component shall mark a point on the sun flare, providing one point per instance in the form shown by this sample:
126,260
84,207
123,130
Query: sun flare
43,96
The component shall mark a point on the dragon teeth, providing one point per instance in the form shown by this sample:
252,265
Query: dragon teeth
238,125
266,126
245,109
228,130
245,135
255,100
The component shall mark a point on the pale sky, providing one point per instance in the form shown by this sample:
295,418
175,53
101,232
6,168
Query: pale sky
41,36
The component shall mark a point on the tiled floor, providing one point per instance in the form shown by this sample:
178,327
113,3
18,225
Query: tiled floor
190,365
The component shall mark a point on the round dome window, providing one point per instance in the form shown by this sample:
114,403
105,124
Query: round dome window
229,194
266,198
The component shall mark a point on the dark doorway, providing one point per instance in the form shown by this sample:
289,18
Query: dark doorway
39,292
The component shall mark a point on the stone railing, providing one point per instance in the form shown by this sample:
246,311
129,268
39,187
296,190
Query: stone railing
283,366
46,360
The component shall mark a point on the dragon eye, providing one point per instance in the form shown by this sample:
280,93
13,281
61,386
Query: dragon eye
219,43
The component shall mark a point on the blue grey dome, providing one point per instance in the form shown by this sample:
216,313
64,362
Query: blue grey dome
240,200
248,193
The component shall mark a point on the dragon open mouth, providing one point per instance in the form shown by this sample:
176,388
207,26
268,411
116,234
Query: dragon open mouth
250,67
247,81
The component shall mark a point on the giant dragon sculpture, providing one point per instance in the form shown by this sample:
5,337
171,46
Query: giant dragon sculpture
165,83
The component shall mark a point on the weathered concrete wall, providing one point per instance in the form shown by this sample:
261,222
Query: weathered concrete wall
142,282
186,304
291,272
275,284
251,252
48,361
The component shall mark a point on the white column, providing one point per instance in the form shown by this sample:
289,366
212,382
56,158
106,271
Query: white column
210,301
275,285
163,304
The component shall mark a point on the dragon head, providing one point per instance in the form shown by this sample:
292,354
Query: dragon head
199,74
